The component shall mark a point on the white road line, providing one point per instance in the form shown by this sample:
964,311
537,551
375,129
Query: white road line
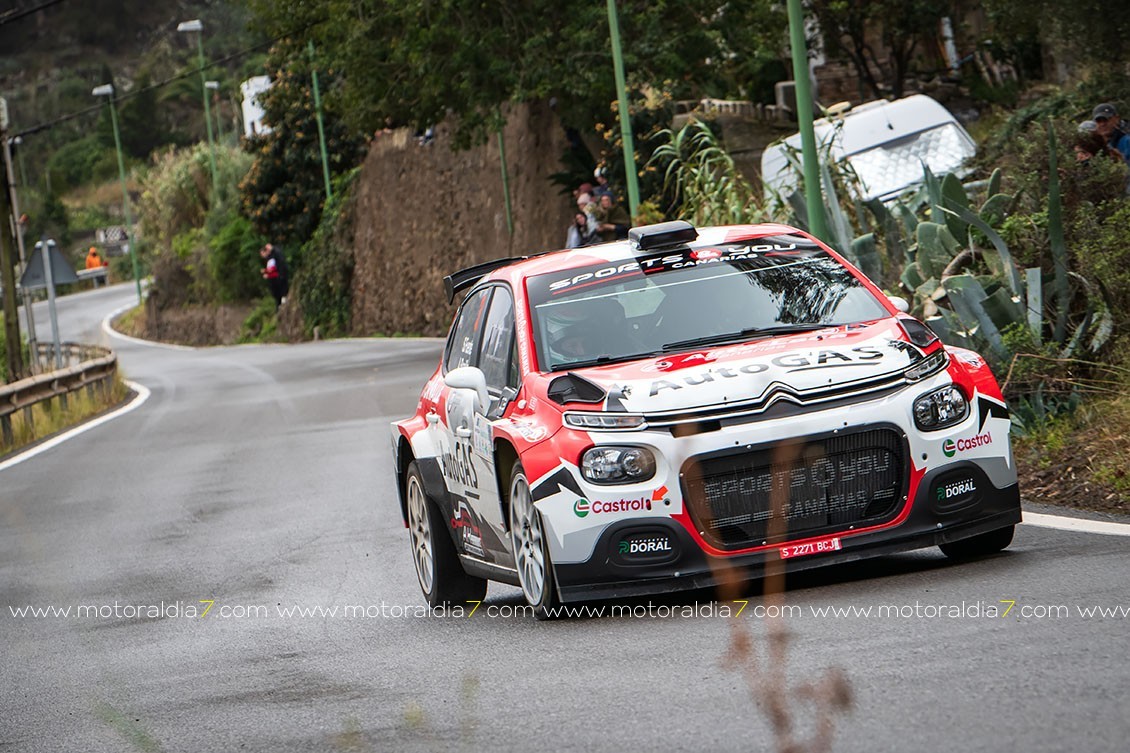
141,396
1078,525
111,332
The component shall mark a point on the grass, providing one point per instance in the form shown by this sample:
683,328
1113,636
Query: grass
49,417
132,322
1080,460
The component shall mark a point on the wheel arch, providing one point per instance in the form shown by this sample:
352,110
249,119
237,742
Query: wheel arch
505,457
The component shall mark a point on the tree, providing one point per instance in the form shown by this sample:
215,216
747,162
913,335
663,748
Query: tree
851,28
416,62
1091,31
283,192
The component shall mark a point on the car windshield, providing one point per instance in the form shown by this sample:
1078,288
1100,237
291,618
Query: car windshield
683,299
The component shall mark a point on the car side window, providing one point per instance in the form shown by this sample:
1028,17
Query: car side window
498,339
464,338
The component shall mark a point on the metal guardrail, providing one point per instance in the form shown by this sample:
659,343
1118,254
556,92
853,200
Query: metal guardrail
87,366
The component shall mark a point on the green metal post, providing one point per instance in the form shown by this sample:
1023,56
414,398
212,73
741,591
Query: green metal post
321,127
207,116
219,118
810,158
625,117
505,174
125,199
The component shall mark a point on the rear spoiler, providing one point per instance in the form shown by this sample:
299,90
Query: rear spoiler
465,278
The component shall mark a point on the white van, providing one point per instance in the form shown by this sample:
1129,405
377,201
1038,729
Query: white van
886,143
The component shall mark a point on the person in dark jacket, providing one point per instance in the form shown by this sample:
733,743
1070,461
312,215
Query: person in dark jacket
275,273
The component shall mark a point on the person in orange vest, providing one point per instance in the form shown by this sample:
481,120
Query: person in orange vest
94,261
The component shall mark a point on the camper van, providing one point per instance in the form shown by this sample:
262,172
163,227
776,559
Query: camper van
886,144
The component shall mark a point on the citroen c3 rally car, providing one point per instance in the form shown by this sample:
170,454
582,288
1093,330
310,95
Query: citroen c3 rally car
651,414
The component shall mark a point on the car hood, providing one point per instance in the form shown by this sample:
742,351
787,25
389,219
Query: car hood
809,366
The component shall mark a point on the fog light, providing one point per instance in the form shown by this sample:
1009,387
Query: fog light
617,465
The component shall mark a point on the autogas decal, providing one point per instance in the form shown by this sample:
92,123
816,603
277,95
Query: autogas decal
790,362
582,507
951,447
550,485
987,409
457,464
707,255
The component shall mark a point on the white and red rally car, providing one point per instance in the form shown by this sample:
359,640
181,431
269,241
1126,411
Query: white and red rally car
652,414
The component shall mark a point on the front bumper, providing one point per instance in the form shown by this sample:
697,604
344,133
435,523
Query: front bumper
681,563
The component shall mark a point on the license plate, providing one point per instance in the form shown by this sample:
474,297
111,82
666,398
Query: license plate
811,547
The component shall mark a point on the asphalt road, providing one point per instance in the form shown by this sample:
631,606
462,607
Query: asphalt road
259,479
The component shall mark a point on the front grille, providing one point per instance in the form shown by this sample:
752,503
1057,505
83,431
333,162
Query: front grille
821,484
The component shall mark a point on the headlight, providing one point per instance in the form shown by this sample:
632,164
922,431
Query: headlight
930,365
940,408
613,421
617,465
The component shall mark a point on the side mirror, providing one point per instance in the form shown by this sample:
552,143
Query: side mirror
900,303
469,378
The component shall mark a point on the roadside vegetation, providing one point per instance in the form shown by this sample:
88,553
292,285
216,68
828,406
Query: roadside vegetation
50,417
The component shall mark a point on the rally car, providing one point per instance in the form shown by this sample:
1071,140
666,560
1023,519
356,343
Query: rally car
663,412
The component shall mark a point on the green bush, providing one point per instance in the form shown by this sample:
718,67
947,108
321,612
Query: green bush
81,161
322,274
234,263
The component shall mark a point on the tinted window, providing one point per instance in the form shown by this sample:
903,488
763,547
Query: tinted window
669,301
498,338
464,339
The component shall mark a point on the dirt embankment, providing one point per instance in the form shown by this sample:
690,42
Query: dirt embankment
423,212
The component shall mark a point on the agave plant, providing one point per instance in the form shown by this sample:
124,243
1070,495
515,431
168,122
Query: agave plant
702,177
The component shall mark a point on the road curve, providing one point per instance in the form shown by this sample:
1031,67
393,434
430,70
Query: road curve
256,482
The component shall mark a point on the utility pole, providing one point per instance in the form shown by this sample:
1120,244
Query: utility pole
321,127
14,347
25,295
809,158
625,115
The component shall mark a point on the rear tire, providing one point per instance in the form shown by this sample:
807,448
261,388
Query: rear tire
441,575
979,546
531,548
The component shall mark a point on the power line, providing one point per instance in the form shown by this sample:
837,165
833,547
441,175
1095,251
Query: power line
172,79
15,14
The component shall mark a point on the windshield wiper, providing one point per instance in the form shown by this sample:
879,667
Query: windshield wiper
600,361
745,334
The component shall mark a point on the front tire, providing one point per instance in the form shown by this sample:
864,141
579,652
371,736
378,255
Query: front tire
531,548
981,545
441,575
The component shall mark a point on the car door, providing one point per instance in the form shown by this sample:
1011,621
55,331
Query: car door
483,339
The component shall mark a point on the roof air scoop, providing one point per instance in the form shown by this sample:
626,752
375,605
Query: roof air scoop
661,235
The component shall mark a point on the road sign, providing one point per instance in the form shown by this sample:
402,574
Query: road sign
61,272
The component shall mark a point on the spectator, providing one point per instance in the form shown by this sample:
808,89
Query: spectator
275,273
613,220
600,175
1088,144
94,260
582,232
586,204
583,188
1113,129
